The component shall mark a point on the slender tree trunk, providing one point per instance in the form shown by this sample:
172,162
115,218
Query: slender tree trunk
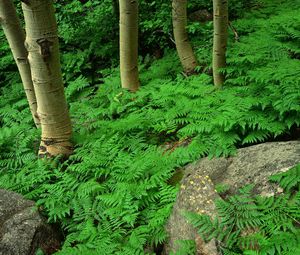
129,44
42,46
220,39
16,37
183,45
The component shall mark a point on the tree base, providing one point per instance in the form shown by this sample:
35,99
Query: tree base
53,148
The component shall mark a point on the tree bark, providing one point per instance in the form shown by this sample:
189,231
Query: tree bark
183,45
16,37
129,44
43,49
220,39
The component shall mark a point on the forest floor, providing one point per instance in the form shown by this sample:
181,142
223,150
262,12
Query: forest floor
115,194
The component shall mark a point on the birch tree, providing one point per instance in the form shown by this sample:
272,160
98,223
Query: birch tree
43,56
129,44
15,36
183,45
220,39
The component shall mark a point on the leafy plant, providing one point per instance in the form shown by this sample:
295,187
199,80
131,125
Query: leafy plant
113,196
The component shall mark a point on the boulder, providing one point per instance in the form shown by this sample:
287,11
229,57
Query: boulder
251,165
22,229
201,16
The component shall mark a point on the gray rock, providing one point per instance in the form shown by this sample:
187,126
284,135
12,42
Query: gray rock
22,229
201,16
251,165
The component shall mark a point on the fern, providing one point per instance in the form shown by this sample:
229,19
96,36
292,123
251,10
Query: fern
187,247
113,195
288,180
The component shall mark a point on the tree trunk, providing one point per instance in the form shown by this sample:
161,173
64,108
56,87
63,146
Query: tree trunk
129,44
16,37
220,39
43,49
183,45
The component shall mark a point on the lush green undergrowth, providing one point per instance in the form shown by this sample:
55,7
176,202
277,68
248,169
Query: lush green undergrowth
114,195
